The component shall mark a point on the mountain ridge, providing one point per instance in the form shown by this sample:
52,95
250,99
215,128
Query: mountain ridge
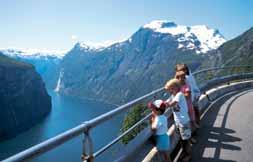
128,68
120,67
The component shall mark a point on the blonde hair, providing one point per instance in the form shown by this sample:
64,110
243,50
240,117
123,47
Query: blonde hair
180,67
172,83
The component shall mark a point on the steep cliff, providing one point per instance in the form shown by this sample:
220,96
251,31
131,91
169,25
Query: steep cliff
45,63
23,98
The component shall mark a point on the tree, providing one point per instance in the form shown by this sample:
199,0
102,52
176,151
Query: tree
133,116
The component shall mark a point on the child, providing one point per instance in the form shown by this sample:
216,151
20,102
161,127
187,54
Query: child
186,90
160,127
195,91
181,117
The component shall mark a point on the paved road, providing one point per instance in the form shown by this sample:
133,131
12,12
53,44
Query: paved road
226,133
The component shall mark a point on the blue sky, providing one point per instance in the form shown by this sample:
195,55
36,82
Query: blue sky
58,24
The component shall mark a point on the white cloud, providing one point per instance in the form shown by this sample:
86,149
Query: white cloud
74,37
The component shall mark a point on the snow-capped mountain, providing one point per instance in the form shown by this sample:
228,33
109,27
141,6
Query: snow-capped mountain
128,68
137,65
200,37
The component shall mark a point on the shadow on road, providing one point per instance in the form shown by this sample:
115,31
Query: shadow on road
213,139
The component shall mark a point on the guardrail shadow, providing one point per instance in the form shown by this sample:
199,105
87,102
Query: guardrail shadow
212,139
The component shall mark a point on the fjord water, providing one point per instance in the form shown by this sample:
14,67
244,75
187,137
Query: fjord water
67,112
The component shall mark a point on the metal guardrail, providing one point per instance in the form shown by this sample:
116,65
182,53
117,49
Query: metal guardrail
88,125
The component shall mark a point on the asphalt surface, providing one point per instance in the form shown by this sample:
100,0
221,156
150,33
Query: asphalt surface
226,133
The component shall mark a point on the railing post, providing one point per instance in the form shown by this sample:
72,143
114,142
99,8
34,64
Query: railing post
87,156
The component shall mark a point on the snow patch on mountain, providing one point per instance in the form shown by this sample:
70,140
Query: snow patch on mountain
98,46
199,37
33,53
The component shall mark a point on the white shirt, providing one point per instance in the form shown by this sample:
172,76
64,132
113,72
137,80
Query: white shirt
160,124
181,117
195,92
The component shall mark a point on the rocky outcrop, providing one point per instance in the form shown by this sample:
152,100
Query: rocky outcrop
24,100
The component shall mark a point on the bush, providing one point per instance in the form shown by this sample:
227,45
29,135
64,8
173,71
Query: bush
133,116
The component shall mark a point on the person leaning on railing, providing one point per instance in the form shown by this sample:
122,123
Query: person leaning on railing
180,113
195,91
186,90
160,127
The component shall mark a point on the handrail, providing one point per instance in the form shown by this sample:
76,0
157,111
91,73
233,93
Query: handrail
122,135
104,117
61,138
86,126
221,68
47,145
